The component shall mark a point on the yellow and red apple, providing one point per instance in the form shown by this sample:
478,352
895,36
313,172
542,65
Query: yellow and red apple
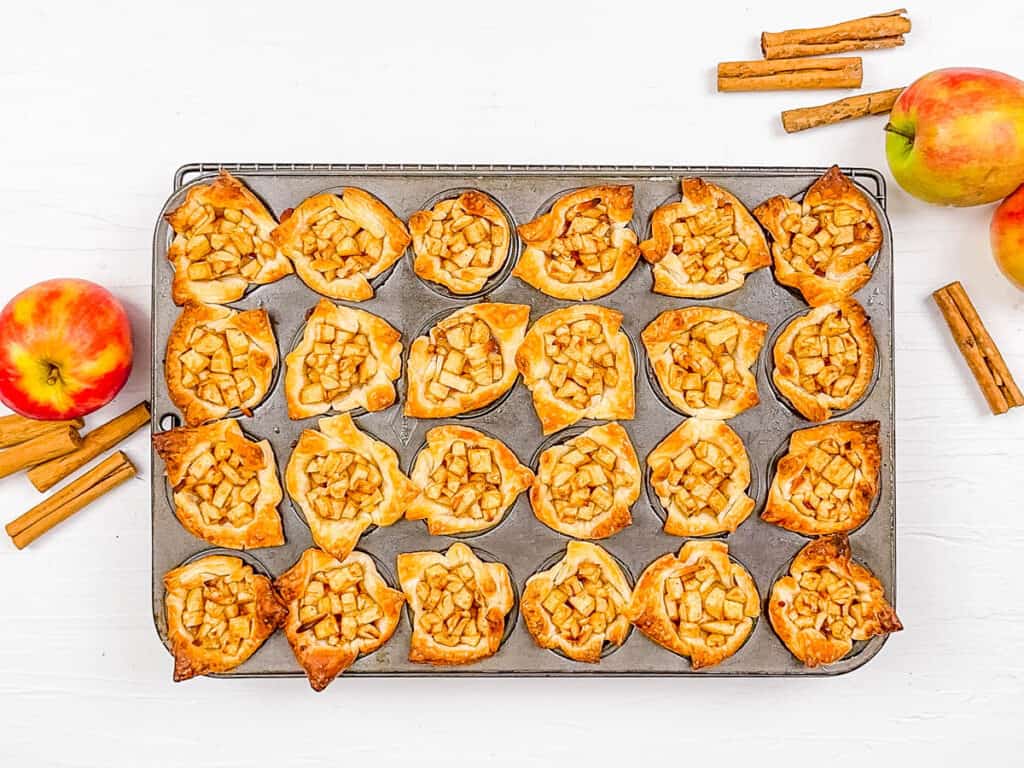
65,349
1008,237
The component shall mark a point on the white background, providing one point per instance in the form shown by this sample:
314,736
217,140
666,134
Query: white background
97,109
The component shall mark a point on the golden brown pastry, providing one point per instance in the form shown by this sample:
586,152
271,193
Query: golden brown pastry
700,473
226,489
583,248
824,359
699,604
827,601
219,359
577,364
827,480
347,359
704,245
338,610
578,604
468,481
218,614
459,604
702,357
222,243
821,246
466,361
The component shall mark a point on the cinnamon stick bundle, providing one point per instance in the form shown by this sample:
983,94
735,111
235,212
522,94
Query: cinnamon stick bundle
44,447
16,429
877,103
790,74
882,30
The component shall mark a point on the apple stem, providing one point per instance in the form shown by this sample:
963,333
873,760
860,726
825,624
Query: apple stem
54,375
890,128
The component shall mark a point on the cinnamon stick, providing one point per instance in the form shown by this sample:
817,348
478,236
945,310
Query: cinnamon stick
877,103
42,448
882,30
790,74
15,428
106,436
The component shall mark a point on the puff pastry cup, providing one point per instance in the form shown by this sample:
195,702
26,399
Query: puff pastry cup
222,243
821,246
468,481
225,486
219,612
583,248
338,610
459,604
466,361
586,485
827,601
702,358
338,243
828,479
460,242
344,481
705,244
824,359
577,364
347,359
579,604
699,603
219,359
700,473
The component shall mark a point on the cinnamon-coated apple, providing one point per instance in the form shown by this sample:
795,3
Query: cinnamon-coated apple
1008,237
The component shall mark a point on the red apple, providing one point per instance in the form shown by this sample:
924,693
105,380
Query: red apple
1008,237
956,137
65,349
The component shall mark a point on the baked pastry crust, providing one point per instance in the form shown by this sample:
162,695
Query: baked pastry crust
466,361
344,481
705,244
700,473
586,485
828,479
217,463
355,350
702,358
821,246
200,598
222,243
699,603
824,359
568,246
217,359
827,601
564,391
460,242
339,243
338,610
437,586
468,481
578,604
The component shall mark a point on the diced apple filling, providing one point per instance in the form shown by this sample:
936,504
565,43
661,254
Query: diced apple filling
451,608
216,366
583,364
464,356
223,242
338,246
698,481
468,482
582,603
340,361
337,608
219,615
344,485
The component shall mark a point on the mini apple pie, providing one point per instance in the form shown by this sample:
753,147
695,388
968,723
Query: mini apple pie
579,604
585,486
219,359
468,481
824,359
337,612
702,357
219,612
699,604
700,473
704,245
827,480
577,364
583,248
344,481
338,243
822,245
459,604
827,601
225,486
347,359
460,242
466,361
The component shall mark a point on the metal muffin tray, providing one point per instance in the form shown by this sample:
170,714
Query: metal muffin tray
520,541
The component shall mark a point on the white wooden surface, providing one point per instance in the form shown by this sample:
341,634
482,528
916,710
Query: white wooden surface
99,108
